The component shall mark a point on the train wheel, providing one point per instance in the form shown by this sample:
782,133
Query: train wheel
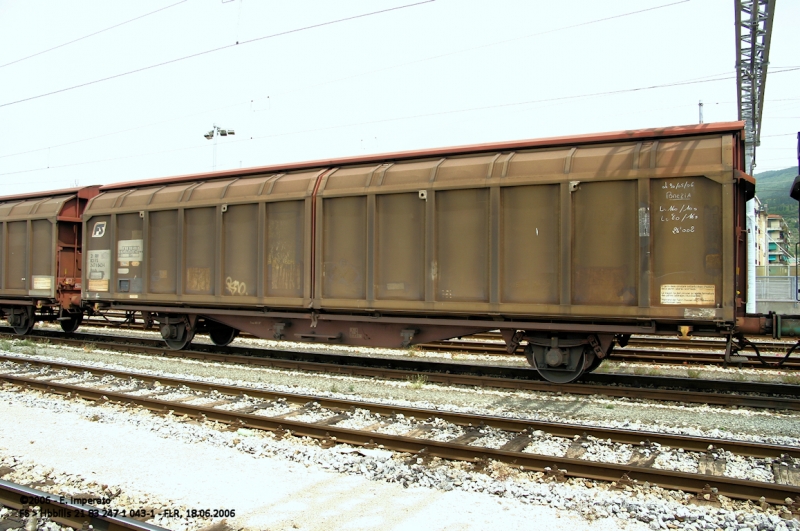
21,321
72,322
222,335
596,362
23,330
560,364
177,332
180,344
563,375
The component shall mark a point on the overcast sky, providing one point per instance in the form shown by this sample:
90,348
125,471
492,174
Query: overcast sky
440,73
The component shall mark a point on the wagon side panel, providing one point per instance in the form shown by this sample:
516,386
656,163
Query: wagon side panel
223,243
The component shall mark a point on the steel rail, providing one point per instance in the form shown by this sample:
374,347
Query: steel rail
641,387
633,437
730,487
65,513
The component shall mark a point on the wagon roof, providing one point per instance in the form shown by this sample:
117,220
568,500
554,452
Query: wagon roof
84,192
592,138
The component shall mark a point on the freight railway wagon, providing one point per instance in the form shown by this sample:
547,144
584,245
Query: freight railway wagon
40,258
569,245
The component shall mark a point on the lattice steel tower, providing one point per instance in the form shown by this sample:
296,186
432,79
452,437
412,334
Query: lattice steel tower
753,33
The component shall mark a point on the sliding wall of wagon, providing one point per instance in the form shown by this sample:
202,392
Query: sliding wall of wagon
238,241
622,230
40,244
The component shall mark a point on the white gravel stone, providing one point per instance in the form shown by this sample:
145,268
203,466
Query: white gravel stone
607,452
749,468
492,439
678,461
548,445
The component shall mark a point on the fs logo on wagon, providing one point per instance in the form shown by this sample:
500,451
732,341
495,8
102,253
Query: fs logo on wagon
99,229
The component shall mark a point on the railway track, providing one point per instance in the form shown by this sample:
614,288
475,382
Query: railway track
428,433
61,510
686,390
695,351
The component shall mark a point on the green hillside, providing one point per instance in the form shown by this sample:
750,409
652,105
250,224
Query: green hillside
772,188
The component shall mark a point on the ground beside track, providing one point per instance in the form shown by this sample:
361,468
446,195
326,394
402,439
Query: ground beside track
573,498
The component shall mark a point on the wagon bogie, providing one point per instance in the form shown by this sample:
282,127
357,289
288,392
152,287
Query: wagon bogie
562,358
177,330
20,318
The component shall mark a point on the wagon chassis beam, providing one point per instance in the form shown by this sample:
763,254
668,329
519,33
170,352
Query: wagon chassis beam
646,327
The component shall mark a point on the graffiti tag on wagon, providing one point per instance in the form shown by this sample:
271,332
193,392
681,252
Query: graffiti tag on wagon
681,214
673,213
235,287
678,186
677,191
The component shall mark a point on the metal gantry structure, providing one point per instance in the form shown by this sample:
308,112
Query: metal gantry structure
753,35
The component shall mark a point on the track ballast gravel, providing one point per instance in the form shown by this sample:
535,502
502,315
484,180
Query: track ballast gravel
654,507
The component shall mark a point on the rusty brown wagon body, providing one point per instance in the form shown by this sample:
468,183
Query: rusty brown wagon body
40,257
569,244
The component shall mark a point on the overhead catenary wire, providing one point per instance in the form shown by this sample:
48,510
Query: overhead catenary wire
120,131
685,82
333,126
385,68
91,34
505,41
217,49
409,117
527,102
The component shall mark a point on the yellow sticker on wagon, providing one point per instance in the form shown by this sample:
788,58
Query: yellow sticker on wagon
98,285
682,294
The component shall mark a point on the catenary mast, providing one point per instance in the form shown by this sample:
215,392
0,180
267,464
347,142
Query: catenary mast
753,35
